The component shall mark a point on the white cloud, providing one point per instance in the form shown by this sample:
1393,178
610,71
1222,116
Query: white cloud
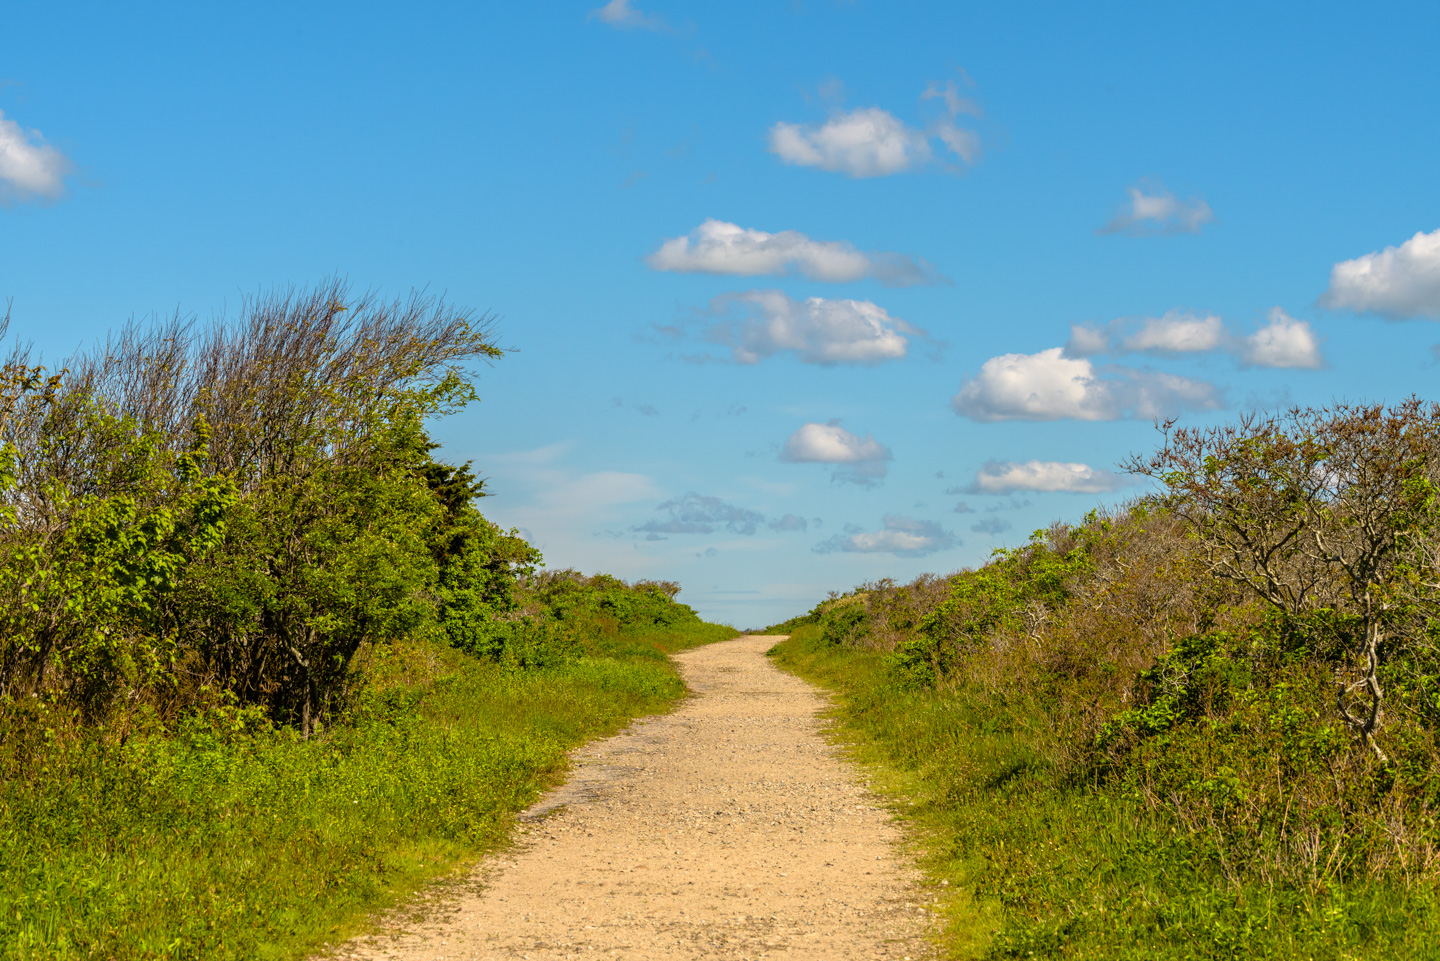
866,142
869,142
818,330
1158,213
1283,342
30,169
1087,341
619,13
1397,282
901,536
1007,477
1177,332
717,247
861,460
1052,386
832,444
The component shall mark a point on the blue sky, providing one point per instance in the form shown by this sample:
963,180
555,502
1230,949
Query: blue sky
800,294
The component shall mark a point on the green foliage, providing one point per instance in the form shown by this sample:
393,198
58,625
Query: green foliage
243,507
90,601
565,614
1011,594
1204,726
1028,863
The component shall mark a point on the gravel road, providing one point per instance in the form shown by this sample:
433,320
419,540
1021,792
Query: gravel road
727,829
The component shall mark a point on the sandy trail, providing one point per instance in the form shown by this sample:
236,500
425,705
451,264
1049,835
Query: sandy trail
727,829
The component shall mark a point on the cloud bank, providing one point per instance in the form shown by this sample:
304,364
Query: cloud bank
1398,282
30,169
816,330
717,247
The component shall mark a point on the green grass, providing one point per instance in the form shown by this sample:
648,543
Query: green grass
211,842
1036,868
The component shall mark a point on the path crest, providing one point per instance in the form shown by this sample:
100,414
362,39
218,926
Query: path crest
728,829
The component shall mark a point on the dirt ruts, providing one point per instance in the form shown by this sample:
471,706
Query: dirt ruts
727,829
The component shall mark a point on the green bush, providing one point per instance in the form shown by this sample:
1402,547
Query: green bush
1213,714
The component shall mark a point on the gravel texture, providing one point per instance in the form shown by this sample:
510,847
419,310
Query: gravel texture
727,829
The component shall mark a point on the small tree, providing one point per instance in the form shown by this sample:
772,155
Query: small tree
1317,510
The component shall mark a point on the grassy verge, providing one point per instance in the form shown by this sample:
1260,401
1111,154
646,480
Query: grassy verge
1038,868
232,839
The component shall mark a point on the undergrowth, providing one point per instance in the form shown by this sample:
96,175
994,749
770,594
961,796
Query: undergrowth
1039,865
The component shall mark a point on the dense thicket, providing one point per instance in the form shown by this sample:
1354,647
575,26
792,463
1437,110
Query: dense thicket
230,512
1249,655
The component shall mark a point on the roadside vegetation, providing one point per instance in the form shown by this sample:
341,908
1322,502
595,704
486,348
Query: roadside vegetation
264,665
1201,725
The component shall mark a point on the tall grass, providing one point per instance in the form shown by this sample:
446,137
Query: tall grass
1038,864
230,838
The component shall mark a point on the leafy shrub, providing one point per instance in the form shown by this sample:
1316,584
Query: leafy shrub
1242,669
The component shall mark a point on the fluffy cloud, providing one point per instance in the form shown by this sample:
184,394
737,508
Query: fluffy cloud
870,142
1397,282
701,514
1007,477
818,330
619,13
1158,213
1282,342
717,247
30,169
1052,386
832,444
861,460
901,536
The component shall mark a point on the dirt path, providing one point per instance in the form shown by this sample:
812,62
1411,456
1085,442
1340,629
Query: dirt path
728,829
